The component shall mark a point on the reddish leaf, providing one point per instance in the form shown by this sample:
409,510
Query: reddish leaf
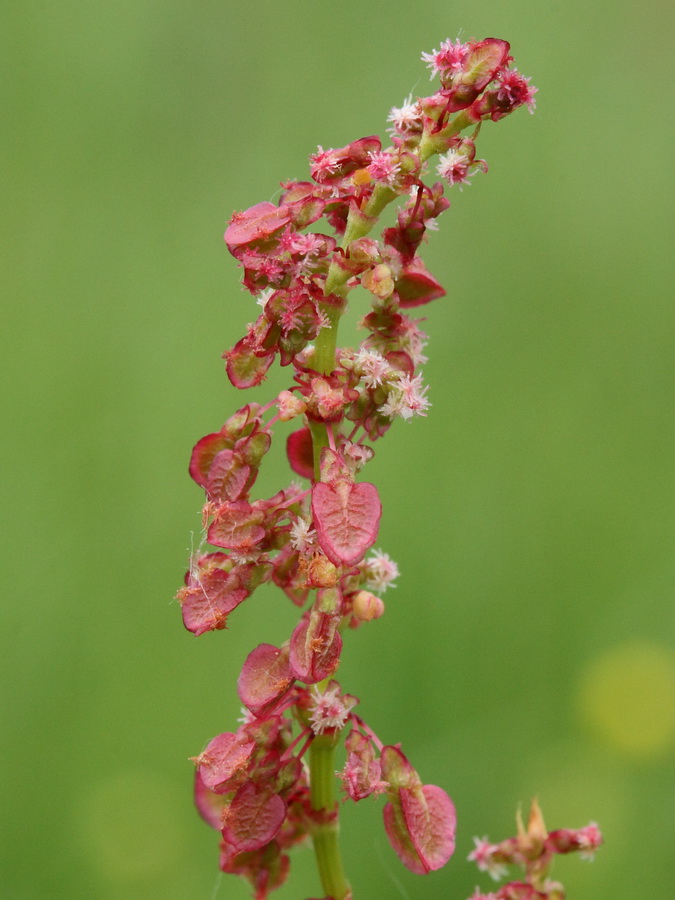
265,677
253,818
346,518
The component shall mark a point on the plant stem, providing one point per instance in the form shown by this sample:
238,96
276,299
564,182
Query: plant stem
326,827
325,830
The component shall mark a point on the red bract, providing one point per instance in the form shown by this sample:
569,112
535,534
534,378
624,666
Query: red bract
266,869
347,519
209,804
483,61
362,773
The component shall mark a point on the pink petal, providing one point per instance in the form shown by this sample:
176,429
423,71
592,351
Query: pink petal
346,518
210,595
483,61
394,825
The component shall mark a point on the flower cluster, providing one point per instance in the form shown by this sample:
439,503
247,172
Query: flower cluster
252,786
533,849
264,787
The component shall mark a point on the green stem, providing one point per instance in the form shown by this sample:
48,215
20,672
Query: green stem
326,828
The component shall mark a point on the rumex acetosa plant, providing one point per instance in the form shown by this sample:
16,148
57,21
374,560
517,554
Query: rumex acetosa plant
271,783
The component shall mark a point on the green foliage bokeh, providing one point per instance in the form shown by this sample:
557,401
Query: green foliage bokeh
529,647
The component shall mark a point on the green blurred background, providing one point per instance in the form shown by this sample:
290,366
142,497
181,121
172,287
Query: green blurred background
529,647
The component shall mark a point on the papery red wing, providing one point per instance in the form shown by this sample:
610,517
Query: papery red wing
245,368
229,477
416,285
209,597
209,804
256,223
204,453
300,452
431,822
265,677
420,825
315,648
253,818
224,758
346,518
237,526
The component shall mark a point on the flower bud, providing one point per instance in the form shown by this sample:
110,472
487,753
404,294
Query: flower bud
320,572
379,281
290,406
366,606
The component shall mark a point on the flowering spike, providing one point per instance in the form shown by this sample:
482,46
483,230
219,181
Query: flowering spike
269,785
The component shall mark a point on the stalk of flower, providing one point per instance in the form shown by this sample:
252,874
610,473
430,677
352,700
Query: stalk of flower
271,784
